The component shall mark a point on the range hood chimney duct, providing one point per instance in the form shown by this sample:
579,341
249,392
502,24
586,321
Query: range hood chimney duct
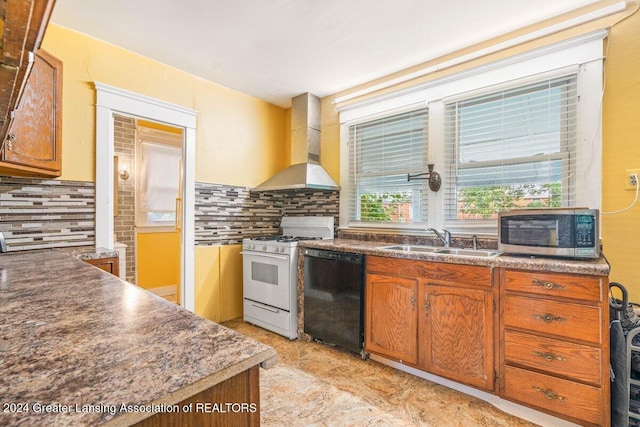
305,170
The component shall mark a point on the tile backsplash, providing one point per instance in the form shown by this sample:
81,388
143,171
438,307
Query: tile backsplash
227,214
36,214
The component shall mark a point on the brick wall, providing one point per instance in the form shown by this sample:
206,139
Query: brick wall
124,221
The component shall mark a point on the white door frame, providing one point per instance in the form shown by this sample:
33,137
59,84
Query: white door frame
110,100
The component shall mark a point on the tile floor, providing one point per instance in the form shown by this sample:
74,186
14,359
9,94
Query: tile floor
316,385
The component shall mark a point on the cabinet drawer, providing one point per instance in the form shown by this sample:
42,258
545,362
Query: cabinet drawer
566,398
435,272
551,317
579,362
562,285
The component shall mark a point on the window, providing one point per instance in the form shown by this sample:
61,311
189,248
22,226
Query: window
381,154
511,148
523,131
159,183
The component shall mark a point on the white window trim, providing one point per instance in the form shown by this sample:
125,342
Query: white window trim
583,53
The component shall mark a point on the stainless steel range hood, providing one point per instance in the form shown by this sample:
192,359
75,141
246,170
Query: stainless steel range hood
305,171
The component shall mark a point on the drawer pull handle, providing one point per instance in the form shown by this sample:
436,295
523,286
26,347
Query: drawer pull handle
549,357
548,317
548,285
413,300
549,394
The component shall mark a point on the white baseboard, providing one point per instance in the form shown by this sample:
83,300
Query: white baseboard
514,409
163,291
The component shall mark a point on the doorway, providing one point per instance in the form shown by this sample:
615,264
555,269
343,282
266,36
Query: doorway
111,101
148,195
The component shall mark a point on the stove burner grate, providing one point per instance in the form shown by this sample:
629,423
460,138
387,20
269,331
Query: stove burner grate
287,239
266,238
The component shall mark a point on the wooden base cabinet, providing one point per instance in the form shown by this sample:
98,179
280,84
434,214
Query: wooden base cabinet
555,344
110,265
456,334
433,316
241,391
392,317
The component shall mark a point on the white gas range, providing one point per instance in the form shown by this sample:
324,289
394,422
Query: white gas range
269,266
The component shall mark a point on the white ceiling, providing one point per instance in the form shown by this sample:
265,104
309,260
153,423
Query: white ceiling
277,49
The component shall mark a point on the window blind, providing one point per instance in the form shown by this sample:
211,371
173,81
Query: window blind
159,177
381,154
511,148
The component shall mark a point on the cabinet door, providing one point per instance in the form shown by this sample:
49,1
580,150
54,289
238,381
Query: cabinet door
110,265
34,140
391,317
456,334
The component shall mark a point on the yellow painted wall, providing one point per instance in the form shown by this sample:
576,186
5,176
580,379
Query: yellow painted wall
157,259
243,141
621,150
218,287
239,141
621,126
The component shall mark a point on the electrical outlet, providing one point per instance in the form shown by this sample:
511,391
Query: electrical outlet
630,181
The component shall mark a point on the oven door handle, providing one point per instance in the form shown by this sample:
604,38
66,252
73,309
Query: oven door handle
263,255
273,310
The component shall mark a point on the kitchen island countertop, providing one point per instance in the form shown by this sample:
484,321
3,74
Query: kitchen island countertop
76,342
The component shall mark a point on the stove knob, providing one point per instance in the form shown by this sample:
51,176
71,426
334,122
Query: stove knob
281,249
253,246
264,248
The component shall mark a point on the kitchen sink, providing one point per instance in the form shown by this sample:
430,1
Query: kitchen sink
484,253
411,248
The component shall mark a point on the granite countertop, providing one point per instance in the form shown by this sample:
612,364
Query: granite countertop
597,267
90,252
72,335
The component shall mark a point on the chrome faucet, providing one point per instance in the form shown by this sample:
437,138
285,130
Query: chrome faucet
446,239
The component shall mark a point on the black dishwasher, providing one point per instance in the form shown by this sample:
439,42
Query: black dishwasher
333,295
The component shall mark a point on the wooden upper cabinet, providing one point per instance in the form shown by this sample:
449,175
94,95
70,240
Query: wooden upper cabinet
33,144
22,25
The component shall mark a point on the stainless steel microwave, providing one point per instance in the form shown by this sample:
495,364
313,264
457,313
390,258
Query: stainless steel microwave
561,232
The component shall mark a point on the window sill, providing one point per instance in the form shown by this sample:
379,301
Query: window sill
156,229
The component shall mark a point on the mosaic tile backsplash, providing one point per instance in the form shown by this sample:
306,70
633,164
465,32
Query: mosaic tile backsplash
37,214
226,214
